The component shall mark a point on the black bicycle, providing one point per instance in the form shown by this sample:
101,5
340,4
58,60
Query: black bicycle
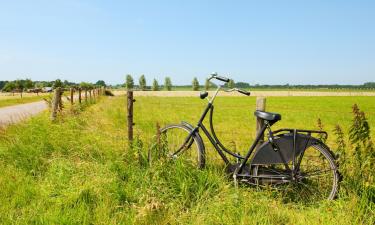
291,160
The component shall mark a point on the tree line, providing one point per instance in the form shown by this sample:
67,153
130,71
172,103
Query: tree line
38,86
20,86
195,85
142,84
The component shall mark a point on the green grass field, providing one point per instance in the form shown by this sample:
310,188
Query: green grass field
80,170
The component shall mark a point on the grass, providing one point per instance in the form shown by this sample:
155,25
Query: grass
7,100
234,121
80,171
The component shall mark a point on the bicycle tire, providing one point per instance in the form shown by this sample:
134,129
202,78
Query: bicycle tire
194,154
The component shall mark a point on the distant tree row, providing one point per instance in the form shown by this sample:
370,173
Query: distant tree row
21,86
129,83
142,84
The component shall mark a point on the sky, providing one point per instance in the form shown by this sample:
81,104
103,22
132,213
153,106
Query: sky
259,42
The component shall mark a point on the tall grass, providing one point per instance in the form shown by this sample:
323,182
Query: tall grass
80,170
356,155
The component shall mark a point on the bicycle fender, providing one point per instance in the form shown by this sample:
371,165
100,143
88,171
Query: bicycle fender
266,155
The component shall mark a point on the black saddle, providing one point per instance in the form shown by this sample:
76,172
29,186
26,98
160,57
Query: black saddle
270,117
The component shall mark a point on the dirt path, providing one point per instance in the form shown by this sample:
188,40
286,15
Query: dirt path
16,113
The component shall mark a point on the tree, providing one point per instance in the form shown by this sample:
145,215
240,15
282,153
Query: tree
28,84
242,85
86,86
195,84
155,85
19,86
57,83
100,83
168,84
231,84
142,83
369,85
39,85
2,84
129,82
66,83
207,85
9,86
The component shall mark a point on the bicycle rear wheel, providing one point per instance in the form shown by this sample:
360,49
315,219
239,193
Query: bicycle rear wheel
316,178
178,147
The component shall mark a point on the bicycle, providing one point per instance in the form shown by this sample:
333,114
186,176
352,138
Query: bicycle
291,159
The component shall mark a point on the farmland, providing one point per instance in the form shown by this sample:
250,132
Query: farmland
79,170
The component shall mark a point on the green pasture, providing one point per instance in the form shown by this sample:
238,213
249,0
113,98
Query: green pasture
80,170
234,119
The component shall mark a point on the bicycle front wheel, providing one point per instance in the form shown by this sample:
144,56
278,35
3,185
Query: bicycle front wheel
179,146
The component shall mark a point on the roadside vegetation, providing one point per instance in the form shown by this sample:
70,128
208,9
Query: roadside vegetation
6,101
80,169
26,91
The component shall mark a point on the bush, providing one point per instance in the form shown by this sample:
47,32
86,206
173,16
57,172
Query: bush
108,93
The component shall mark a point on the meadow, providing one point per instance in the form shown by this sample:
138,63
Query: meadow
80,169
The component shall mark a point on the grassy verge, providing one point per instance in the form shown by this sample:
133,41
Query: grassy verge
80,171
17,101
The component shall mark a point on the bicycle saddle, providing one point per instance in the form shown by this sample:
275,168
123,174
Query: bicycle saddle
271,117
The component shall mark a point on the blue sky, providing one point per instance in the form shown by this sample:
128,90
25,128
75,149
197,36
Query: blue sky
265,42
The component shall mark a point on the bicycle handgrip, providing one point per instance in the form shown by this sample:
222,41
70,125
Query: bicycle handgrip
244,92
224,79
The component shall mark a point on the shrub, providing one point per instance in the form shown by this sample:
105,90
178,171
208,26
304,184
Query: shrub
142,83
129,84
195,84
168,84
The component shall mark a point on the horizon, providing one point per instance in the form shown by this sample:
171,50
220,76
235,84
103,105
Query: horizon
267,43
201,83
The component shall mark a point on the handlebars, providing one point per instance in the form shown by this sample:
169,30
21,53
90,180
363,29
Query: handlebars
239,90
215,76
226,80
244,92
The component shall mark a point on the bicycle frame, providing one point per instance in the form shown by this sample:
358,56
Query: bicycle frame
220,148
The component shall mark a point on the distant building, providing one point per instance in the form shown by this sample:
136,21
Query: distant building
47,89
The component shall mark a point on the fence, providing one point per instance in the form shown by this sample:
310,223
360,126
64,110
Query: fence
57,100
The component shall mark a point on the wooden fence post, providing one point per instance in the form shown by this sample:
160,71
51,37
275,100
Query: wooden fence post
55,103
79,95
261,106
130,102
71,96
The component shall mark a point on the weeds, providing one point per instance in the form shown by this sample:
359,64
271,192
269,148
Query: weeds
357,161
